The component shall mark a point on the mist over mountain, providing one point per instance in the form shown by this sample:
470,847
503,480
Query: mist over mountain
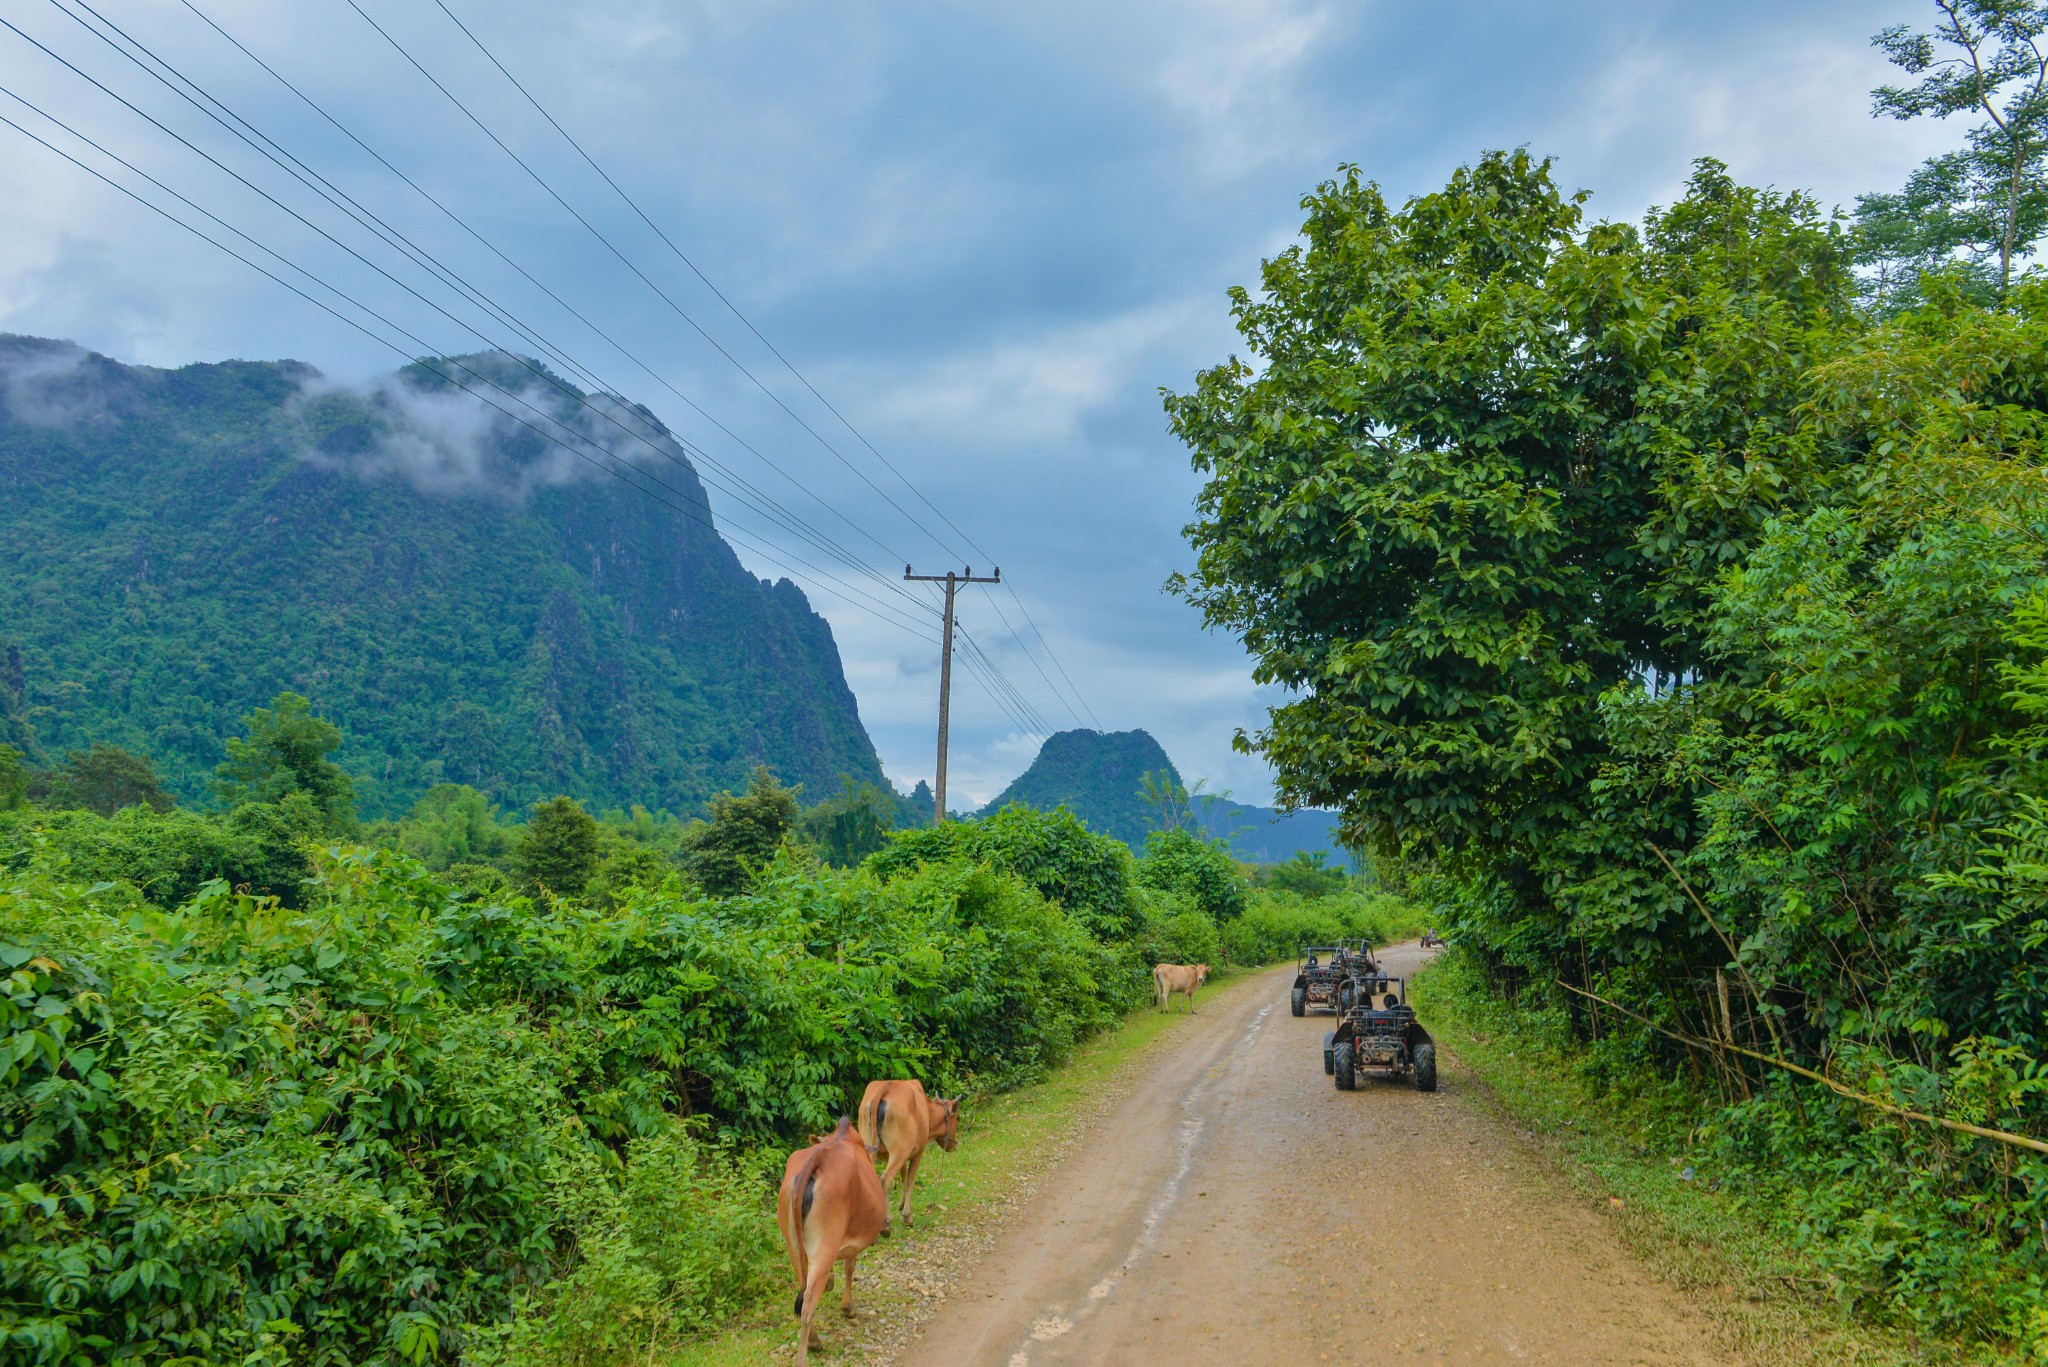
468,594
1097,774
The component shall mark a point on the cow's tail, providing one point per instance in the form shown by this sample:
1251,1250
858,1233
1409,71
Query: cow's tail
881,1134
870,1125
1158,985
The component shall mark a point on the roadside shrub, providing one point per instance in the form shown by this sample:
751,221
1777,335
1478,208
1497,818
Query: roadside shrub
683,1240
169,855
1093,876
1276,924
1198,869
401,1123
1176,934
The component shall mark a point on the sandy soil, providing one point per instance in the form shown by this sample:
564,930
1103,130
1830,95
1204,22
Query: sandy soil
1232,1207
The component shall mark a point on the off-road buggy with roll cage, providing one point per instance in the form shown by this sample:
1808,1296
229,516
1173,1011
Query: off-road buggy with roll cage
1380,1031
1328,976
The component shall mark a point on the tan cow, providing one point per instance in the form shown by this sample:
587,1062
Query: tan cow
1171,980
899,1120
830,1208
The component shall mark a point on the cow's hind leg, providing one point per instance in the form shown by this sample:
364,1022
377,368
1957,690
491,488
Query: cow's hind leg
889,1175
813,1296
909,1183
846,1301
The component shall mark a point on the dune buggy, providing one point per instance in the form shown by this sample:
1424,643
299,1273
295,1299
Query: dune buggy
1320,972
1380,1031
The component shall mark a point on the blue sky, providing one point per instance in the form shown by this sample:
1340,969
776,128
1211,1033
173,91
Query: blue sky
988,234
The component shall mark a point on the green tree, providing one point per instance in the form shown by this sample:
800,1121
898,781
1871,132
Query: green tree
743,834
451,824
559,850
1487,468
1988,201
1307,874
286,751
103,779
13,778
848,828
1195,869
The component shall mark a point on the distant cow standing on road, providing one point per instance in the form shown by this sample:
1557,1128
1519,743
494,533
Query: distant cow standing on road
1170,980
830,1208
899,1120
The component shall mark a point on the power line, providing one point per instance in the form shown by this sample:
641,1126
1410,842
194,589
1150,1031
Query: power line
1051,656
626,261
774,350
844,592
681,256
746,493
391,237
571,309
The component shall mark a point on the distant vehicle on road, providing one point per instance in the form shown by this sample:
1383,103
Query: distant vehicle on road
1327,977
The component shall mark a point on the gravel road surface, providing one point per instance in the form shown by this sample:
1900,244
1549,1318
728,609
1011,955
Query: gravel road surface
1231,1207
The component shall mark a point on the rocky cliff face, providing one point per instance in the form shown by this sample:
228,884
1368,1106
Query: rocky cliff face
469,600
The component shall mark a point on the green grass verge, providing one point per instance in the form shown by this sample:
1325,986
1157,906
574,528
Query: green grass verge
1627,1144
965,1192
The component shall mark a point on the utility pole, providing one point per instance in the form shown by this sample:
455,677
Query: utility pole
952,582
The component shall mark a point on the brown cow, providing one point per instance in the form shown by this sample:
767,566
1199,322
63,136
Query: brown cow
898,1119
1171,980
831,1206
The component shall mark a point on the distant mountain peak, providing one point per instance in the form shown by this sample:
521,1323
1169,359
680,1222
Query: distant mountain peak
1096,775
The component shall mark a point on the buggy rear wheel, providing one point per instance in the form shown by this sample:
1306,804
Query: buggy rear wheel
1347,993
1347,1077
1297,1001
1425,1067
1329,1056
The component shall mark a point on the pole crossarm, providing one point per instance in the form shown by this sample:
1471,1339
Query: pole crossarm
952,582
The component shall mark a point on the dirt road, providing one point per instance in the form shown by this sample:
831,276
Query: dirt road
1234,1208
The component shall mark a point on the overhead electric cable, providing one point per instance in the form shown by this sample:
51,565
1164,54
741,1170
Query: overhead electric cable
683,257
363,217
774,350
644,278
746,494
1030,715
782,559
997,605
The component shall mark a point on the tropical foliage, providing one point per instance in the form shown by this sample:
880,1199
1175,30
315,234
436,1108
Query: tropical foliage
1688,620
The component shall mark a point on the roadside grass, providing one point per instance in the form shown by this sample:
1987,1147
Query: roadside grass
1627,1147
961,1196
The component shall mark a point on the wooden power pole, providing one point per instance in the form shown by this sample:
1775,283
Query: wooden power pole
952,582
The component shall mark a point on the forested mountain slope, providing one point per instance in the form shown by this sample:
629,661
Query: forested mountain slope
468,600
1097,774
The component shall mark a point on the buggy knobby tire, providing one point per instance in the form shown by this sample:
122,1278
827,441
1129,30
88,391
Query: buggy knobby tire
1347,993
1347,1077
1425,1067
1329,1056
1297,1001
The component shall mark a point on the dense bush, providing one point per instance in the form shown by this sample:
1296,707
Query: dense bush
170,855
1197,869
1093,876
1175,933
397,1123
1276,924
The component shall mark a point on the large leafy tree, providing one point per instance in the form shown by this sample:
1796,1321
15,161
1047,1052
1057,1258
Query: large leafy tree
1984,205
103,779
286,751
1483,467
560,849
743,834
